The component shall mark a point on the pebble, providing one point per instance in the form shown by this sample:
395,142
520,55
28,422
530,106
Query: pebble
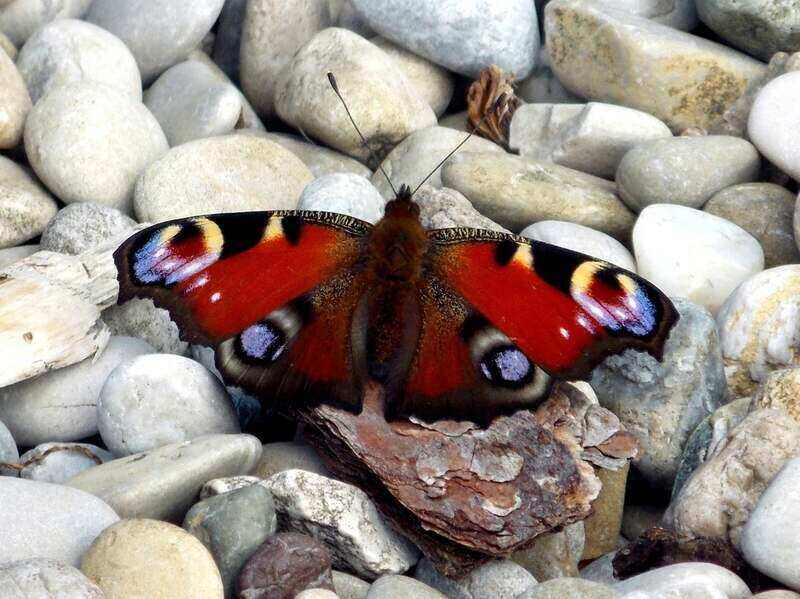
7,46
163,483
268,45
542,86
383,102
319,159
283,566
778,594
577,588
280,456
432,82
603,526
9,256
417,155
88,143
690,580
344,193
757,327
190,102
71,51
48,521
140,318
773,116
554,554
662,402
228,41
9,454
356,534
229,173
218,486
759,27
692,254
679,14
15,103
717,499
479,34
609,55
56,462
80,227
764,210
20,18
686,171
581,239
591,138
781,389
601,570
232,526
25,206
158,34
159,399
61,405
445,208
499,579
348,586
395,586
42,578
516,192
316,594
147,558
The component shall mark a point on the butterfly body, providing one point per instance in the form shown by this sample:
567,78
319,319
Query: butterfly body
307,307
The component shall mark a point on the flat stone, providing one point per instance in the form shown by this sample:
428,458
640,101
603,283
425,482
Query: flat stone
516,192
479,34
757,327
499,579
20,18
163,483
140,318
345,519
383,102
693,254
662,402
719,497
232,526
764,210
9,256
319,159
277,457
25,206
344,193
158,34
417,155
561,588
581,239
56,462
42,578
48,521
610,55
161,399
15,103
395,586
71,51
190,102
771,119
147,558
555,554
348,586
591,138
446,208
603,526
81,227
691,580
229,173
61,405
88,143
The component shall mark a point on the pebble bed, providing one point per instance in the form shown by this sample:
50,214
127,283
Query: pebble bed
659,136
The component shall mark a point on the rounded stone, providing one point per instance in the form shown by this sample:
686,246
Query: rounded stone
685,170
83,226
396,586
688,580
158,399
773,118
319,159
561,588
348,586
603,527
88,143
554,554
49,521
693,254
218,486
148,558
280,456
9,454
56,462
15,103
71,51
191,102
6,46
20,18
230,173
316,594
227,42
383,102
140,318
581,239
42,578
499,579
445,208
61,405
25,206
764,210
680,14
9,256
477,35
159,34
344,193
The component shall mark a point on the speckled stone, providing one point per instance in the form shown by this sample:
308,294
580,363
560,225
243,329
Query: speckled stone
140,318
15,103
395,586
83,226
25,206
344,193
445,208
42,578
56,462
348,586
576,588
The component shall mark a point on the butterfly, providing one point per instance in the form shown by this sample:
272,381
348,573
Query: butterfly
308,307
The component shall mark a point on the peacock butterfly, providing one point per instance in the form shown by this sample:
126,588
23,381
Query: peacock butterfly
454,323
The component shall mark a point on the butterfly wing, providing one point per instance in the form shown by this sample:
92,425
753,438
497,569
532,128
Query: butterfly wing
274,292
502,314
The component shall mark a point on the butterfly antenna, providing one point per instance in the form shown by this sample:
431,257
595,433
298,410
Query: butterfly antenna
500,99
335,87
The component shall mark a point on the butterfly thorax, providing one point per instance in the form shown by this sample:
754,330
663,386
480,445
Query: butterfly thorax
397,244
